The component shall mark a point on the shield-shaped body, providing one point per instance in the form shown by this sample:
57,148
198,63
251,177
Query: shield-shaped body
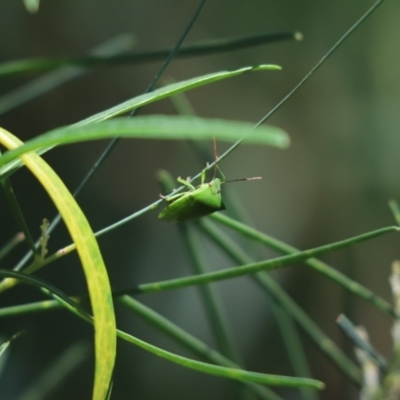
202,201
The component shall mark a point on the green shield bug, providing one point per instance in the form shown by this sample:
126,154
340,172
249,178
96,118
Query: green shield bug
197,201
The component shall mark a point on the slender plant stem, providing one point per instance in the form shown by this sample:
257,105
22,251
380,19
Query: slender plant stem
18,215
258,266
305,79
317,265
161,323
293,346
293,257
272,288
53,79
11,244
350,330
217,46
212,302
232,373
188,341
394,207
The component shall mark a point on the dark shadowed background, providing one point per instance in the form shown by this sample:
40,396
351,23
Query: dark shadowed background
332,183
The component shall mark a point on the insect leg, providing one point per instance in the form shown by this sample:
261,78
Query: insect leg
173,197
222,174
203,175
186,183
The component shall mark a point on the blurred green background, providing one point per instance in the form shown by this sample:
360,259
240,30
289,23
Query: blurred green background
332,183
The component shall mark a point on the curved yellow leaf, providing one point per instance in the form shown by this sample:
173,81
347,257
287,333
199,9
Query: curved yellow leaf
92,262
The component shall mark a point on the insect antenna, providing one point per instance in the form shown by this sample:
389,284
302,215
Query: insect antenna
215,157
254,178
216,167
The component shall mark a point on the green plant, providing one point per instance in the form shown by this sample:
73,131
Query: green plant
226,362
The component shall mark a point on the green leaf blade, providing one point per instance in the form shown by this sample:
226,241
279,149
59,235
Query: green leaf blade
148,98
172,89
91,259
156,127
